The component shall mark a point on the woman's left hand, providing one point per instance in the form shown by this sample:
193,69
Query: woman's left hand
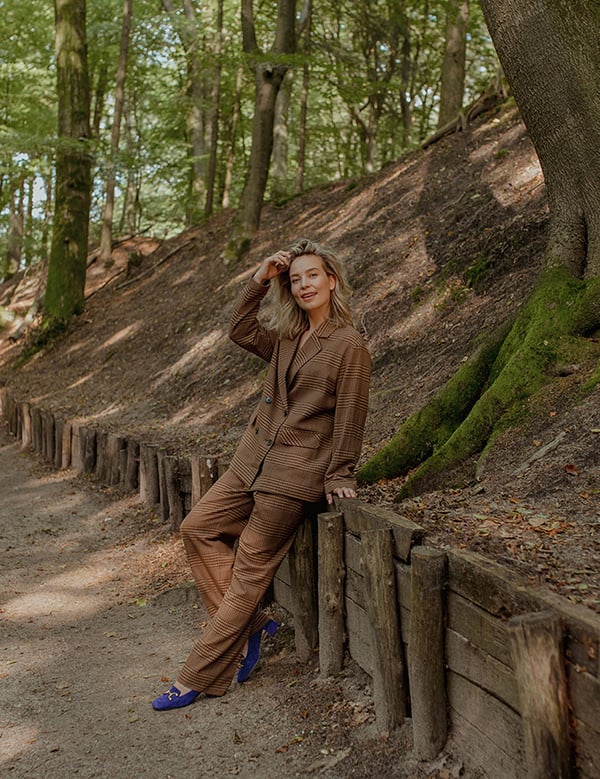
341,492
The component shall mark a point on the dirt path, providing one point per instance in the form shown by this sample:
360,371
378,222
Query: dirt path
96,616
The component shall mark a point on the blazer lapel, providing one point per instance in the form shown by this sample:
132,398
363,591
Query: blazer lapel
287,350
311,347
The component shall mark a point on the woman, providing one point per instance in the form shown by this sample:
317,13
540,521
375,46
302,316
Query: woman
302,443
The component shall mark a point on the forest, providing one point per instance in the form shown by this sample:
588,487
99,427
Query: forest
148,119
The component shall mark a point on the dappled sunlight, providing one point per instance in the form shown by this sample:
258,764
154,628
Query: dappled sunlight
16,739
121,335
191,359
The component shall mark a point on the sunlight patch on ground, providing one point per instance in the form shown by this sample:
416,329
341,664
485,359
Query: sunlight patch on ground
16,739
121,335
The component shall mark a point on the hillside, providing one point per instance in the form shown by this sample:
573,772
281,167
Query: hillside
439,247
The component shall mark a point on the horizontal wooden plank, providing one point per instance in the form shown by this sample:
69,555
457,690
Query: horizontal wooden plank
587,751
478,626
493,736
468,660
584,694
355,590
359,516
283,594
359,636
352,558
283,572
493,587
352,553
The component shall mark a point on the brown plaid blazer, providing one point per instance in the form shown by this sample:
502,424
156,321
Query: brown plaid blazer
306,434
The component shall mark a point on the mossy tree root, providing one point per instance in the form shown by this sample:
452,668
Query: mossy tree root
488,392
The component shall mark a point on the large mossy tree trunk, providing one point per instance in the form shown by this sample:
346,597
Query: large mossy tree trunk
550,52
68,254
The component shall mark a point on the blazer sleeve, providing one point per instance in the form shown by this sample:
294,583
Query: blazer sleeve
245,329
352,400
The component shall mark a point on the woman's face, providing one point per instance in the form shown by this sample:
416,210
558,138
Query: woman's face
311,286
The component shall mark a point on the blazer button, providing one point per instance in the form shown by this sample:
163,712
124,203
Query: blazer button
268,399
268,442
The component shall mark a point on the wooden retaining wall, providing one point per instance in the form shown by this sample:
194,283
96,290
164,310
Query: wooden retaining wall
506,674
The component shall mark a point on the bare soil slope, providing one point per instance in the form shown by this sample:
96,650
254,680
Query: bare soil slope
439,247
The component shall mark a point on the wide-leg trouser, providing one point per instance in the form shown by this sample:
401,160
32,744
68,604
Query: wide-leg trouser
232,585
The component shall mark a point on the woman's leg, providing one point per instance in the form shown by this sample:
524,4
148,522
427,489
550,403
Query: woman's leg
263,544
209,532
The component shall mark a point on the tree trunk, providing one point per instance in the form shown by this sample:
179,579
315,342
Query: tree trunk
109,204
268,79
214,116
307,20
550,53
453,65
279,163
68,255
235,117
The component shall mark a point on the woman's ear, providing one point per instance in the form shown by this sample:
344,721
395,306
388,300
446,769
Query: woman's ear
332,282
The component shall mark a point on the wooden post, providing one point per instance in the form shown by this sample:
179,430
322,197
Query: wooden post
205,472
58,439
330,528
536,643
132,466
303,577
48,428
100,467
389,695
163,500
26,440
76,451
36,429
426,660
149,476
67,440
112,459
87,437
173,491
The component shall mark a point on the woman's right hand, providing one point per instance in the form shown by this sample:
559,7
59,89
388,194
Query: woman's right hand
272,266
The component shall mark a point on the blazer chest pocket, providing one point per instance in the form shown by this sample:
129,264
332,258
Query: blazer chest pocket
297,436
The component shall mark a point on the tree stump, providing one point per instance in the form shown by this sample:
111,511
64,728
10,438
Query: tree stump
330,528
426,657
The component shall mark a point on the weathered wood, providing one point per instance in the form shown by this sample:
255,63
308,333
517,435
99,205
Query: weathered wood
587,748
58,438
131,473
26,432
481,629
4,396
36,427
389,694
468,660
67,440
360,638
163,499
584,694
48,432
205,472
536,641
488,732
149,475
330,527
100,464
112,459
172,483
87,437
76,450
426,657
303,577
360,516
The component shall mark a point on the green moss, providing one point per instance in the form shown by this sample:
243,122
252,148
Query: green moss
491,392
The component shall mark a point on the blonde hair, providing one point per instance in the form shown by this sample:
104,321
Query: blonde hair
289,320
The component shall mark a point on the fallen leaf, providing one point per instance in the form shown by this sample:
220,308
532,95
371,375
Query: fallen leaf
572,469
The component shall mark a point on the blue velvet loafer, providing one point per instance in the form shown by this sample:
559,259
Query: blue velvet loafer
253,655
174,699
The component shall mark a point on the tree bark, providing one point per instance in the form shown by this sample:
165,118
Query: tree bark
453,65
268,79
550,53
68,255
109,204
214,116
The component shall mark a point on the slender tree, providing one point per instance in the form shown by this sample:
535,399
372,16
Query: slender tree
550,52
68,255
269,73
109,203
453,65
